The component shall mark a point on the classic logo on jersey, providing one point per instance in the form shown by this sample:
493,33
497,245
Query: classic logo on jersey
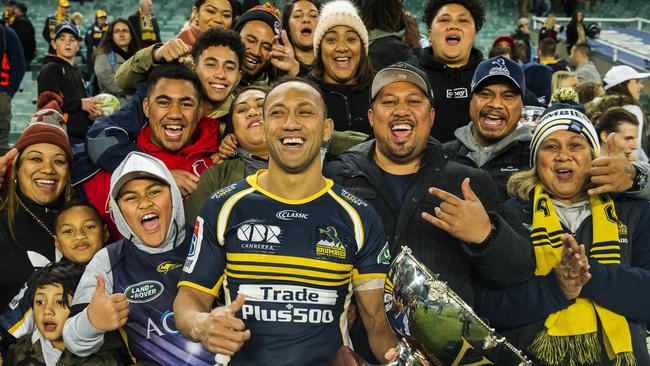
352,198
294,298
144,291
259,233
165,267
288,215
223,191
195,246
384,256
457,93
329,244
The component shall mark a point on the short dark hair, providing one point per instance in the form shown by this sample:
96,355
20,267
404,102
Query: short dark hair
289,78
587,91
288,9
387,16
174,71
64,273
475,8
219,37
500,51
547,47
582,47
613,118
77,203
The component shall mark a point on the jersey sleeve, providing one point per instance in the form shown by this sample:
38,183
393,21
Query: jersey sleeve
206,259
372,260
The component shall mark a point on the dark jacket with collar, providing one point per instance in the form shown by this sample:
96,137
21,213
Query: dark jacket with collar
504,161
387,48
347,106
25,31
507,260
135,22
60,77
451,89
519,312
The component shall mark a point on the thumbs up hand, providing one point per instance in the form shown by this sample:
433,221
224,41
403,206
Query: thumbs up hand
107,312
465,219
613,172
222,332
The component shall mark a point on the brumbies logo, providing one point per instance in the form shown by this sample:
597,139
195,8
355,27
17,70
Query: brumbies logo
144,291
329,244
165,267
499,68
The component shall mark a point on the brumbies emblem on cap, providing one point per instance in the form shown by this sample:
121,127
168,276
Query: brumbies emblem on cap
499,68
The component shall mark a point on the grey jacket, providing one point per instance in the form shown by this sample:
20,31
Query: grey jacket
79,335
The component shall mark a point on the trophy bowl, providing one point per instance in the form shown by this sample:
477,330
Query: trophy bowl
434,322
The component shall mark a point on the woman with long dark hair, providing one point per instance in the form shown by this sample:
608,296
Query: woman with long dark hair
576,32
117,45
299,19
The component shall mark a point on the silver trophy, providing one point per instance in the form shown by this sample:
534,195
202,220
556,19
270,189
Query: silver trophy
435,325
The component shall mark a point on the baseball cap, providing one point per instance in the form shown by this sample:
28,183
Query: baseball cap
100,14
506,39
136,166
66,27
401,71
499,67
64,3
622,73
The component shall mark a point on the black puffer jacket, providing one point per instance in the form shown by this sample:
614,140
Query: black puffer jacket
347,106
57,75
506,261
511,159
451,89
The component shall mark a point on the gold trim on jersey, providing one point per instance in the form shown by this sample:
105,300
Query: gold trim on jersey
252,180
288,271
359,235
20,323
224,213
284,259
214,291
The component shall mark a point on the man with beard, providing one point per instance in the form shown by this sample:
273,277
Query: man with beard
451,229
495,141
261,31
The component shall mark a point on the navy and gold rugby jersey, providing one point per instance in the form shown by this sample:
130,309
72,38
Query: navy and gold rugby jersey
297,262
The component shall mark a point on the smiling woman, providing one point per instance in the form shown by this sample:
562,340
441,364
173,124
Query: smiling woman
592,310
342,68
39,182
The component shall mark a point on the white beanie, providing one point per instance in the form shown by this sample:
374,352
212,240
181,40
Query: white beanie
339,12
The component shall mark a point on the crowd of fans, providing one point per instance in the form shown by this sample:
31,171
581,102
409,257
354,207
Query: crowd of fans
261,163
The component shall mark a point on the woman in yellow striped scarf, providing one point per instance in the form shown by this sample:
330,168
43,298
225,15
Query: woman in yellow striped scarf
587,304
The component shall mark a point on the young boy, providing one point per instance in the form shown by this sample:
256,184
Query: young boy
60,76
50,292
80,234
130,284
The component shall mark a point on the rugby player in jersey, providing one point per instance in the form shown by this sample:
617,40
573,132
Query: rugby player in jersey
130,285
287,248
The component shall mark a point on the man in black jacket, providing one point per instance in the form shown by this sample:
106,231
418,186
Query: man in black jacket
25,31
495,141
450,61
452,230
60,76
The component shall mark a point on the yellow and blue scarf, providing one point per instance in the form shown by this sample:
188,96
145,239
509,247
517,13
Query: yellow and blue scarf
570,335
